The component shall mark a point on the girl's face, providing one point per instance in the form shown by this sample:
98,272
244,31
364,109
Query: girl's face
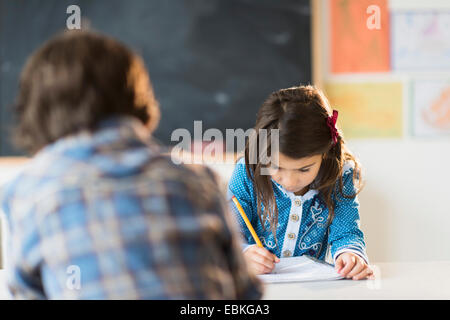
295,175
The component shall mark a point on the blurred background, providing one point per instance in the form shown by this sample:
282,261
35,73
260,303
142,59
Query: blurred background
385,65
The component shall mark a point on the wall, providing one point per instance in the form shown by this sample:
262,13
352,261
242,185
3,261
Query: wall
404,206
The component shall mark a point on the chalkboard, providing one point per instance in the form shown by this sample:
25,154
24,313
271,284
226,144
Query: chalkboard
209,60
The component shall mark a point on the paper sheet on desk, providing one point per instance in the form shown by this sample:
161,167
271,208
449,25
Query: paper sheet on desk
303,268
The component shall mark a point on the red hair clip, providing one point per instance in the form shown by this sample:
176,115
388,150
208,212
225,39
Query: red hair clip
331,122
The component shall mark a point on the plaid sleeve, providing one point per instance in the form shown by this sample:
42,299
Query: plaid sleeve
23,280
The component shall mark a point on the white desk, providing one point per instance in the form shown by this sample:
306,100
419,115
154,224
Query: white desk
417,280
420,280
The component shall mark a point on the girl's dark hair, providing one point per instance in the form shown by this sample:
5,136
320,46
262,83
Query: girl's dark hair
300,114
74,81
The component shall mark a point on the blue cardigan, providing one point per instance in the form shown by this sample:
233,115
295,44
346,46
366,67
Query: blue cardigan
302,221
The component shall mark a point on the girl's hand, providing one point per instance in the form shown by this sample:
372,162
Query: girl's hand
260,260
350,265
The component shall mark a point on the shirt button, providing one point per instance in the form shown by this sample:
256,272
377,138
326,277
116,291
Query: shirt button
291,236
297,202
286,253
294,217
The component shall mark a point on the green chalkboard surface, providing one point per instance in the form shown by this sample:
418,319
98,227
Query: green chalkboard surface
209,60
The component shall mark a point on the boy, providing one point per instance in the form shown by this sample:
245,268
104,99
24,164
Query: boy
99,212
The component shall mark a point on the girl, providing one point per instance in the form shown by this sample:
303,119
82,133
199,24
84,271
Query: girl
308,202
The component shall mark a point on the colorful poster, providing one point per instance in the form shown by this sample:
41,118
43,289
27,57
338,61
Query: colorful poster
431,108
421,40
368,110
359,32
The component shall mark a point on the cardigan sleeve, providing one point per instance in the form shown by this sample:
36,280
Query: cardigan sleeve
345,232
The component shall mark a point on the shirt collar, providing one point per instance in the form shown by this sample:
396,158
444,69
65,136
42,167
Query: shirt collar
118,147
307,196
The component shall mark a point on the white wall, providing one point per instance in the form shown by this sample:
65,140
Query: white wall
9,167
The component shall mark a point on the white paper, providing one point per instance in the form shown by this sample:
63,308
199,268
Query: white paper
303,268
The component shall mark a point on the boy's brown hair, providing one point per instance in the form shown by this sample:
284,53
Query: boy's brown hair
76,80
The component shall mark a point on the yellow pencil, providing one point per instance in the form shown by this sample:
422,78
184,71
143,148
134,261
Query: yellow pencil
247,222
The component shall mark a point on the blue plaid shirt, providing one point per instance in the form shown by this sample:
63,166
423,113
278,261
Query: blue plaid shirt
107,216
